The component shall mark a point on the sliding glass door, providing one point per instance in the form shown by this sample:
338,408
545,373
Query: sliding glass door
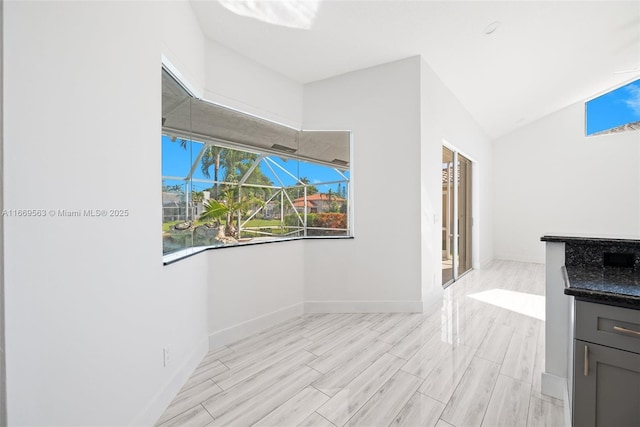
447,215
457,221
463,214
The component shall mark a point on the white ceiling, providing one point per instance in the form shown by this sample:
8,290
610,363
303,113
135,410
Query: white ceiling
544,56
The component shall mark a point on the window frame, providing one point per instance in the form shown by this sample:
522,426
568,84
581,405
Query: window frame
190,250
621,128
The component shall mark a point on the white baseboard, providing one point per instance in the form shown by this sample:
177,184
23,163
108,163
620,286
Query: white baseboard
150,415
252,326
363,307
554,386
242,330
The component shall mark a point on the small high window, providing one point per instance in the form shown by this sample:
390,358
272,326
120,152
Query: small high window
615,111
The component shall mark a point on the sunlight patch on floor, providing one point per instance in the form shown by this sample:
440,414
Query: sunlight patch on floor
528,304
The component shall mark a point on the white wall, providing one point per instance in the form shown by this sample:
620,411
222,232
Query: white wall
550,178
183,43
252,288
400,114
445,119
238,82
89,304
380,268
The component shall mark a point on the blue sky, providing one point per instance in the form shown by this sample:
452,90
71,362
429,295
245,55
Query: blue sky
614,108
176,161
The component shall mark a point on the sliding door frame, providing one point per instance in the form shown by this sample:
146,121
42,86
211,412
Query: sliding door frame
474,213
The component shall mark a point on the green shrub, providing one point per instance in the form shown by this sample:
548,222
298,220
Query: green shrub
327,220
291,220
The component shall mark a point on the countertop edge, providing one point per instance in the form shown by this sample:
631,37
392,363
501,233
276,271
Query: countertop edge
600,297
605,295
579,239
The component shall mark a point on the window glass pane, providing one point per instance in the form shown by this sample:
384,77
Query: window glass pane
217,193
282,172
176,155
327,207
176,233
615,111
235,164
182,199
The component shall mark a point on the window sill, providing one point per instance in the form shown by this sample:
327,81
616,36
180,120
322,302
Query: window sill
189,252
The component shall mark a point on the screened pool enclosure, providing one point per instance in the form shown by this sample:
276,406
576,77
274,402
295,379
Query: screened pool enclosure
229,178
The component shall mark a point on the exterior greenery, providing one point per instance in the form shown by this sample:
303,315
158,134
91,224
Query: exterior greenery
233,200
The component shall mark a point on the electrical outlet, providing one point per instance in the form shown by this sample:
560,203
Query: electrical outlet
166,356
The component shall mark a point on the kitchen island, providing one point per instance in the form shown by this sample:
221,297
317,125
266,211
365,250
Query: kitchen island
593,325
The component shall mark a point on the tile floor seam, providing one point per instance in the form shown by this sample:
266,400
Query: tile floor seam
224,364
311,385
431,397
205,408
493,388
529,403
372,396
529,409
329,421
316,371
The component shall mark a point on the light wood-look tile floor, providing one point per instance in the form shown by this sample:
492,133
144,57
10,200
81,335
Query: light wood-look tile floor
476,361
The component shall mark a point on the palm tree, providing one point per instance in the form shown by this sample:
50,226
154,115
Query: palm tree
311,189
236,163
197,196
212,157
230,207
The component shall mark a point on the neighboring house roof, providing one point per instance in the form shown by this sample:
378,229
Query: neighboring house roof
314,200
300,204
319,197
623,128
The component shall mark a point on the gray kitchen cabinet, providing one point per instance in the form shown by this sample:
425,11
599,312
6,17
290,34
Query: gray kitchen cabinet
606,376
607,393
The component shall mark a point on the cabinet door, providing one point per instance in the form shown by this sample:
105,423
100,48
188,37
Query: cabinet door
607,392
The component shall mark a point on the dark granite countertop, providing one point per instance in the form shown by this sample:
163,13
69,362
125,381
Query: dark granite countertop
576,238
605,285
602,269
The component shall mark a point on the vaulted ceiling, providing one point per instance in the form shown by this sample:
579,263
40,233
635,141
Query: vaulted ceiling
543,55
